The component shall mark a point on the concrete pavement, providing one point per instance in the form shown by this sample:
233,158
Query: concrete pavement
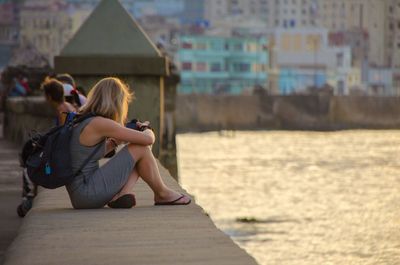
54,233
10,194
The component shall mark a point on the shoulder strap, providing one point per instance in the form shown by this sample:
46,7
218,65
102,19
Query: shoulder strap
81,117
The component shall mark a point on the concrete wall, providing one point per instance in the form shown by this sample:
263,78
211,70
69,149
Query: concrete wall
316,112
22,115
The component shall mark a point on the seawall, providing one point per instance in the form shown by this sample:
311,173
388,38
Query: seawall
53,233
300,112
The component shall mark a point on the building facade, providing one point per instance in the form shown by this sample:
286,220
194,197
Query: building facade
9,17
377,18
45,25
304,60
392,33
219,65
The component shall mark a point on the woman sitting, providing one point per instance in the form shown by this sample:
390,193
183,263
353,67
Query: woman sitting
113,183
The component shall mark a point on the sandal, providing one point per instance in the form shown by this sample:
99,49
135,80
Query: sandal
124,202
174,202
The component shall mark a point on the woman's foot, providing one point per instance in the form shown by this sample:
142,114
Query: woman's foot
125,201
173,198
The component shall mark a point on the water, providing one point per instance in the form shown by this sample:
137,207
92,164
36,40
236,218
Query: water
300,197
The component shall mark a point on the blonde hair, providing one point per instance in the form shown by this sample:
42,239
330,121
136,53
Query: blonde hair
109,98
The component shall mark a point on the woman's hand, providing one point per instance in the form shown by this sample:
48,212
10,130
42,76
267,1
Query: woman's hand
111,144
143,125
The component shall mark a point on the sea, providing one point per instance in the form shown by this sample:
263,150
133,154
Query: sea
294,197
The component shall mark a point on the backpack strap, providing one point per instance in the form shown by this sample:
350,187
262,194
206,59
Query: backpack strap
81,117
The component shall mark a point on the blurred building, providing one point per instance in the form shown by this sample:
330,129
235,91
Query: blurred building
185,11
305,60
392,33
357,39
46,25
350,15
377,18
219,10
380,82
9,30
219,65
9,16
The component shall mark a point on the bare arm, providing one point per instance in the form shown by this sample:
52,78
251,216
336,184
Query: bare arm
102,127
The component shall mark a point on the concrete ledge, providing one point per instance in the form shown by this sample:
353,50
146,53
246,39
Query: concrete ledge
24,114
54,233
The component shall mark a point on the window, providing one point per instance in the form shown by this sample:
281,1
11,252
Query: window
238,47
313,42
285,24
187,45
241,67
339,60
216,67
187,66
201,46
251,47
201,67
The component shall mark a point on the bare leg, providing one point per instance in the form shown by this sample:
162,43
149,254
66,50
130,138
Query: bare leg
147,169
128,187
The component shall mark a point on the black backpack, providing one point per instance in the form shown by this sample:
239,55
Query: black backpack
47,156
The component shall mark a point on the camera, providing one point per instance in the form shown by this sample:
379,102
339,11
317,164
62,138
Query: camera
133,125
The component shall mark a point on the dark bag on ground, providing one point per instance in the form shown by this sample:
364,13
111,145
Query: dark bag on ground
47,156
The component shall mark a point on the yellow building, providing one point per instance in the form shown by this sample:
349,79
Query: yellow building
46,25
347,15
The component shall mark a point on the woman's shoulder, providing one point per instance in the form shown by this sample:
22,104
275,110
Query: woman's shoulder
100,121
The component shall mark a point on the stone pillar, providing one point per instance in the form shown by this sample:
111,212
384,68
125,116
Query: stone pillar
111,43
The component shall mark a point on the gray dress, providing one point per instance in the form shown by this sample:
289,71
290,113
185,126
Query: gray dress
96,186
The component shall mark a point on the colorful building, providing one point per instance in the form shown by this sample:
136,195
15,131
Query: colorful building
216,64
45,25
304,59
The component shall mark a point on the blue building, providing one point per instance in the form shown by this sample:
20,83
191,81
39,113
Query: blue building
214,65
291,79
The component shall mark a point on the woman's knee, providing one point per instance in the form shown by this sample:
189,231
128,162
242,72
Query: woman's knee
138,151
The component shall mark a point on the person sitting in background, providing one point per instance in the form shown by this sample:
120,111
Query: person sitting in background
20,89
71,93
54,93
